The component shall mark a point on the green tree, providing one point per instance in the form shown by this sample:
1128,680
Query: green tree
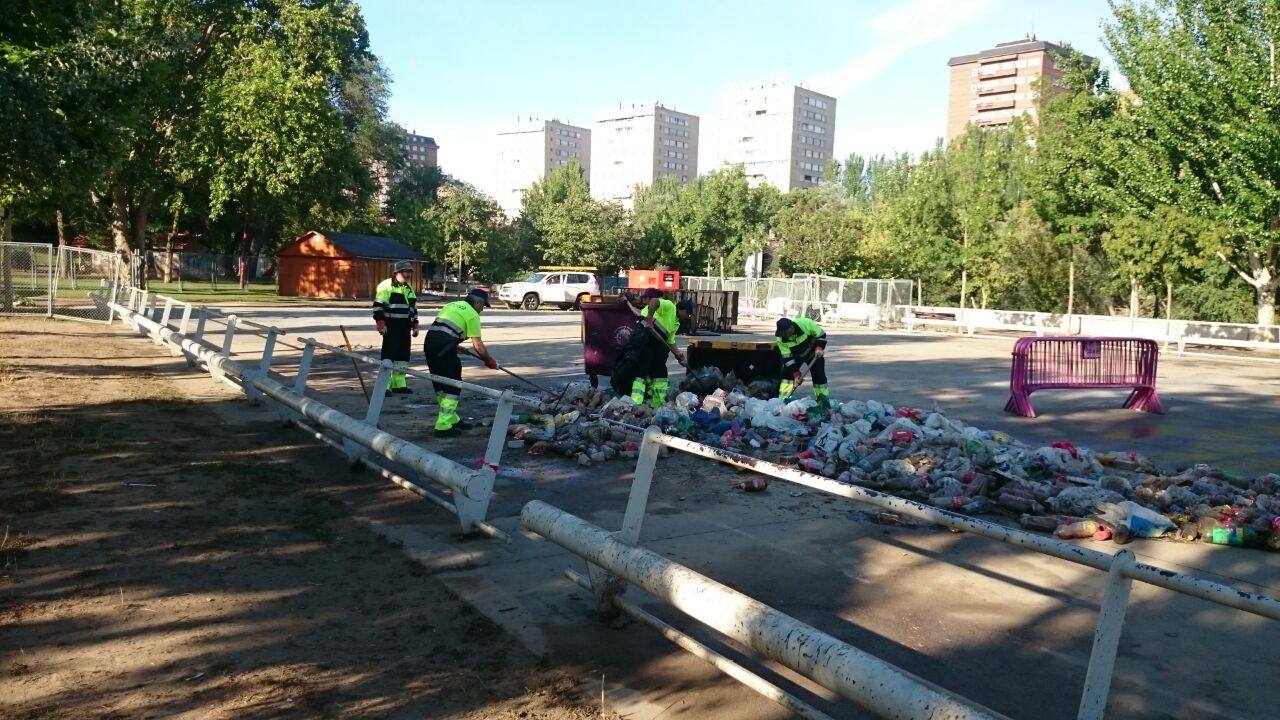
1201,133
1162,249
1071,178
819,234
466,218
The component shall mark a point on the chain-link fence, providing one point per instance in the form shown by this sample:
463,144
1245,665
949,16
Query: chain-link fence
821,297
40,279
26,278
213,268
83,282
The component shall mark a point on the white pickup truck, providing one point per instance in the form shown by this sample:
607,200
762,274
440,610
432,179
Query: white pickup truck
564,289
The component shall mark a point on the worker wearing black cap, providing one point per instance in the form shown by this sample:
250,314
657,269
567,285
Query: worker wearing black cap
457,321
802,341
660,318
395,313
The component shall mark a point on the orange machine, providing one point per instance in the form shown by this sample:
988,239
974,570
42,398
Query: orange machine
661,279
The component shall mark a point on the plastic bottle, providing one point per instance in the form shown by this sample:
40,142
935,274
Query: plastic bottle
1233,536
1081,529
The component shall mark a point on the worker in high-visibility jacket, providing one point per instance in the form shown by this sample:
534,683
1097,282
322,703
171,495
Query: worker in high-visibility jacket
395,313
456,321
659,319
801,342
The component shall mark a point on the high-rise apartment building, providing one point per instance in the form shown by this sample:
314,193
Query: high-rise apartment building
530,150
420,150
781,134
994,86
635,146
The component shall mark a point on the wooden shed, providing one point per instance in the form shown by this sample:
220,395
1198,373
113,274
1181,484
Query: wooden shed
340,265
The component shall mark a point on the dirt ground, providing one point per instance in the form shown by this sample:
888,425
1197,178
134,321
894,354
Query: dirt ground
158,562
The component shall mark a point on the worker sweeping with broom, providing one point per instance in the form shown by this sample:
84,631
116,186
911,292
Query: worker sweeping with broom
456,321
395,313
659,319
802,344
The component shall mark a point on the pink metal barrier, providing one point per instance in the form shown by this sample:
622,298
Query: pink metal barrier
1083,363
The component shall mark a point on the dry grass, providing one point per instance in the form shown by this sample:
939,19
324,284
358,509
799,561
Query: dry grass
8,374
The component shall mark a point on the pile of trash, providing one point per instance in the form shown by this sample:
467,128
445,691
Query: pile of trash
924,456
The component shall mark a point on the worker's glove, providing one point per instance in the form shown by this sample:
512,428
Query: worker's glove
415,328
490,363
679,357
382,327
796,376
819,351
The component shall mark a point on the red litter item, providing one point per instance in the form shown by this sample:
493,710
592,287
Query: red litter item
1102,534
906,412
755,484
901,436
1069,447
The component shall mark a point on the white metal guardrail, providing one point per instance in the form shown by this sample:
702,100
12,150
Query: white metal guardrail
358,439
876,685
1178,332
1122,568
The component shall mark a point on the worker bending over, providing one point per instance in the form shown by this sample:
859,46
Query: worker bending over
457,321
395,313
660,318
801,342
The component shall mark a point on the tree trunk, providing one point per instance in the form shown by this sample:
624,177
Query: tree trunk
168,249
139,219
1133,297
1168,299
1267,303
1071,284
119,218
61,220
964,272
964,286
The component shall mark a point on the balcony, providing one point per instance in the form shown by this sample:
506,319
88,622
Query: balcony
995,89
997,73
992,121
1002,104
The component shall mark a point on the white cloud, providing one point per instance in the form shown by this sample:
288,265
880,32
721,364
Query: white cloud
896,31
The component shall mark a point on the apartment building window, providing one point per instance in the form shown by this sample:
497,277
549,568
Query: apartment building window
815,116
816,142
810,127
675,132
813,167
675,120
814,102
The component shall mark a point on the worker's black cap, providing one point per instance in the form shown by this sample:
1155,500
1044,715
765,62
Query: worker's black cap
651,293
480,294
784,326
685,305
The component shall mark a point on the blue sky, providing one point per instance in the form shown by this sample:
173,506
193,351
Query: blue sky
461,71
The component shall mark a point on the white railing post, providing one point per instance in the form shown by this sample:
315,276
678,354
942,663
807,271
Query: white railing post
638,500
168,312
264,367
471,511
229,336
185,323
111,306
377,394
198,335
1106,638
152,299
215,369
304,367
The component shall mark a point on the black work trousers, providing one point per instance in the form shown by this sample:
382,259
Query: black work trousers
441,349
